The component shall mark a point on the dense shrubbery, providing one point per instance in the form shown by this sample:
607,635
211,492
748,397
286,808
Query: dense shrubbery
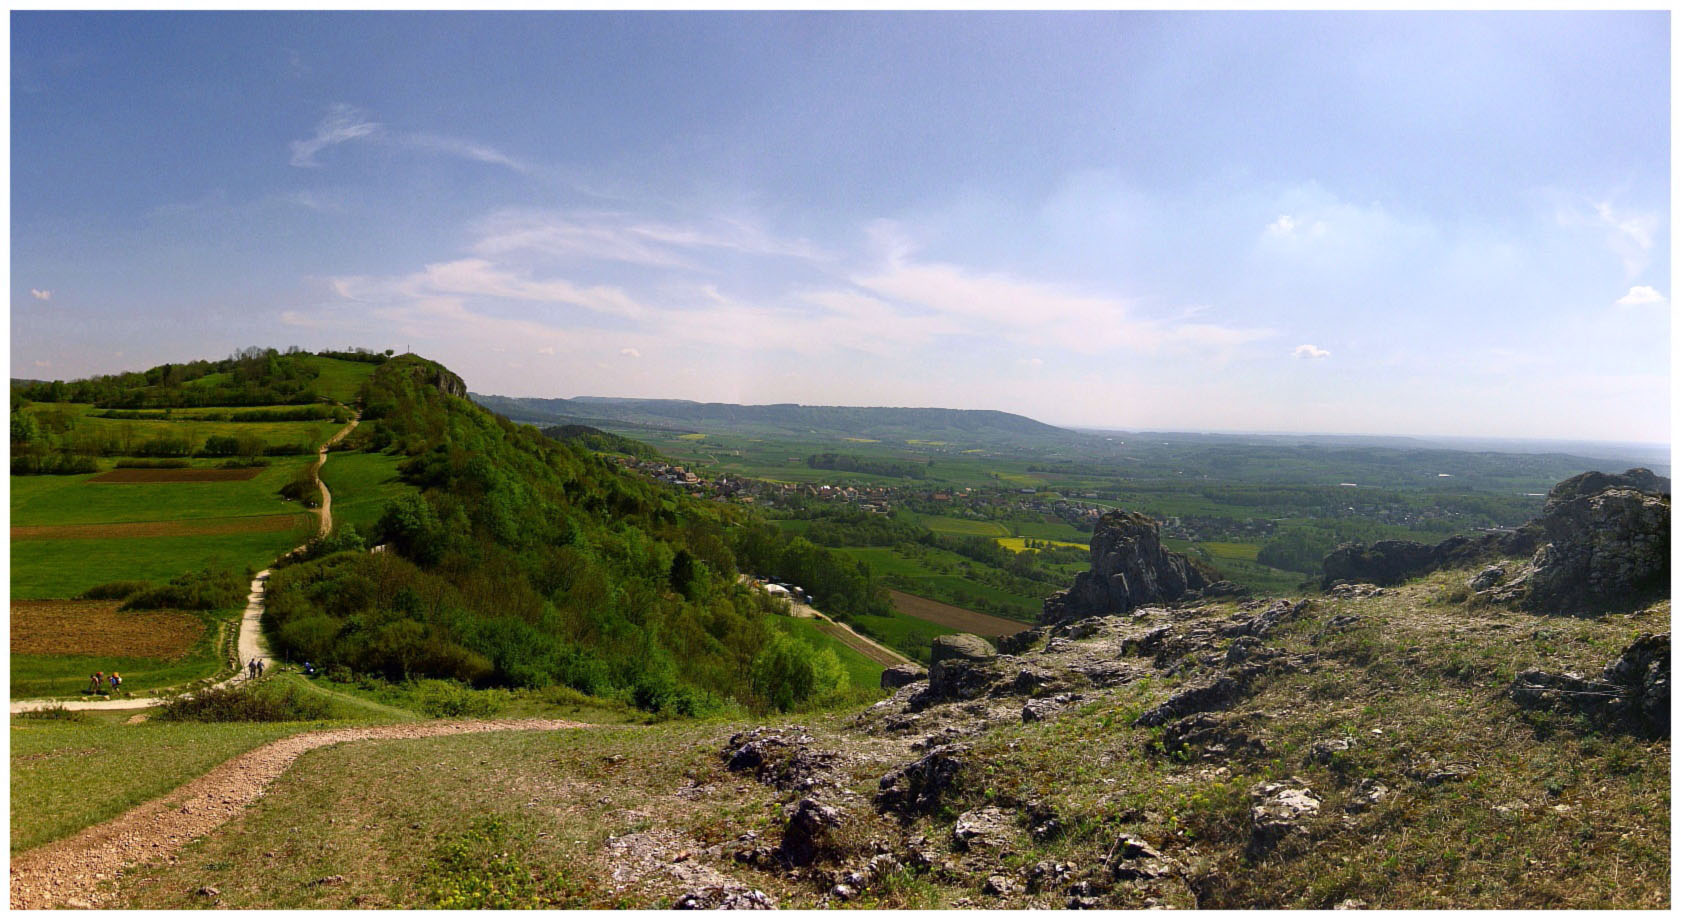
266,702
842,585
52,464
204,590
304,489
115,590
859,528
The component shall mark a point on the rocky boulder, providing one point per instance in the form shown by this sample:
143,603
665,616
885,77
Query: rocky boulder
953,661
901,676
1278,810
1390,562
1386,562
1129,568
1631,692
1590,483
1604,548
917,787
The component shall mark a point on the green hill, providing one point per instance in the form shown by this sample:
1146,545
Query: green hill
605,442
522,561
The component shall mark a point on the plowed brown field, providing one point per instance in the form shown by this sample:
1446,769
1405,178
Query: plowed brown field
98,628
262,523
957,618
129,475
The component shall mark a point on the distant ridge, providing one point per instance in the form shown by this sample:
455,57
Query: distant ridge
789,418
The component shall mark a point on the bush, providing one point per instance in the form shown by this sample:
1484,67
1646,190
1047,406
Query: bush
114,590
204,590
52,464
54,713
303,489
271,703
442,699
133,464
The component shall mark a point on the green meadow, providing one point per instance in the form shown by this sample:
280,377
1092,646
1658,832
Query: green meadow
362,483
66,568
54,500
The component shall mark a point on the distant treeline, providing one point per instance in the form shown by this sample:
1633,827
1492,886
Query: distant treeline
869,466
309,413
249,377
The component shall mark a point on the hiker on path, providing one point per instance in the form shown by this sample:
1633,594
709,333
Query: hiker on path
261,664
115,681
251,669
95,681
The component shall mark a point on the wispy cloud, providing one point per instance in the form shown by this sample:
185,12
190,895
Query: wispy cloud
1641,295
1310,352
342,123
465,149
620,237
630,353
40,294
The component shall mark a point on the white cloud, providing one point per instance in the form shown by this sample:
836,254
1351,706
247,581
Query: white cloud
1035,313
342,123
481,278
1309,351
546,350
467,150
1283,226
630,352
40,294
1641,295
618,237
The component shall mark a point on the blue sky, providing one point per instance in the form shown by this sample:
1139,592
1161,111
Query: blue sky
1432,224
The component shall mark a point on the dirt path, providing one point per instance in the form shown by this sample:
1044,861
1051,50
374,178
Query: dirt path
70,872
250,643
315,473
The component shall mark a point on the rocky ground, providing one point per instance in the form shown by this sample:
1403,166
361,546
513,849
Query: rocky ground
1410,746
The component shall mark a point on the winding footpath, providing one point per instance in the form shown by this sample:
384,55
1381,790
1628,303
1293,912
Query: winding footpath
74,872
250,643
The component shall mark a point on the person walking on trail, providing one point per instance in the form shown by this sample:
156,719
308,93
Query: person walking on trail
115,681
261,665
251,669
94,682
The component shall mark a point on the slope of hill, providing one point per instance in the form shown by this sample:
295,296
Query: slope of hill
965,425
595,439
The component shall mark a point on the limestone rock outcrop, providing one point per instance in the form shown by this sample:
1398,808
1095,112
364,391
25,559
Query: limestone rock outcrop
1129,568
1603,547
1632,691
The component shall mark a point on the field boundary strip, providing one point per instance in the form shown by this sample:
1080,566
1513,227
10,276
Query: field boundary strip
953,617
258,523
133,475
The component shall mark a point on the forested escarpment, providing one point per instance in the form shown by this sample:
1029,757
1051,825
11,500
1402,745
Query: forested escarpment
523,561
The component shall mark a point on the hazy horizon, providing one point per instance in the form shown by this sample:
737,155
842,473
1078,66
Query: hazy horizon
1429,225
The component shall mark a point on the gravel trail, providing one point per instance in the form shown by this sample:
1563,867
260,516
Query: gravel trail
250,643
70,872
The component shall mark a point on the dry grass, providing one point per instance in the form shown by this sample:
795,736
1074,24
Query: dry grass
98,628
